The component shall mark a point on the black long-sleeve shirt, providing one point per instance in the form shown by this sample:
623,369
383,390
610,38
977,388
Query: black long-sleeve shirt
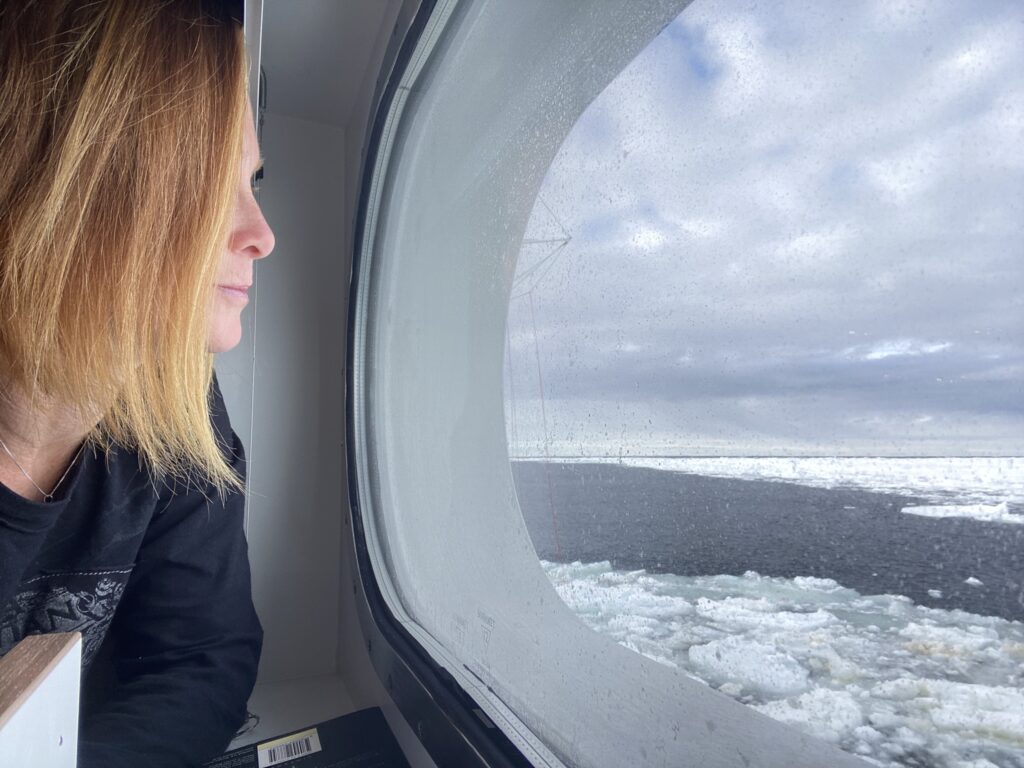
165,570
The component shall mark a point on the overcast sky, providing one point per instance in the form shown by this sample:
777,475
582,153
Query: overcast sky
795,227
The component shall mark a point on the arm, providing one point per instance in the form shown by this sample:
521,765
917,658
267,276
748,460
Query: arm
187,639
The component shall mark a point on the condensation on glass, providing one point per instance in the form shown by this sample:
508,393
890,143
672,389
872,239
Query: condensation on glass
764,368
484,106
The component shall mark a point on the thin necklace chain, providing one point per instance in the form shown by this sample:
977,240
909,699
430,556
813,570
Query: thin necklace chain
46,496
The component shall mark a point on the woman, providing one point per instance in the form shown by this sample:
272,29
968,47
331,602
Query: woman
128,233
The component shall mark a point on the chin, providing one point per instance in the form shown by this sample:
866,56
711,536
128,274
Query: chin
224,335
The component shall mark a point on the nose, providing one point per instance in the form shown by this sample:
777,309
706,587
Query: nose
251,234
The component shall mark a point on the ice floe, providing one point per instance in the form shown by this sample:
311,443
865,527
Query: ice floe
993,513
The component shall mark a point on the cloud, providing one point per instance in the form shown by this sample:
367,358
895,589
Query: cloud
762,186
897,348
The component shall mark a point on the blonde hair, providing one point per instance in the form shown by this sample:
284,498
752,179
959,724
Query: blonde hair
120,140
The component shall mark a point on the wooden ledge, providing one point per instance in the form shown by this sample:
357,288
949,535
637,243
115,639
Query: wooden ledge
27,665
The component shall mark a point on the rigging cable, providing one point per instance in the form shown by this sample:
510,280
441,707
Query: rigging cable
544,417
535,275
512,392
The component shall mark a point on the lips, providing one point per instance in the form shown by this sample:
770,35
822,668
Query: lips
239,292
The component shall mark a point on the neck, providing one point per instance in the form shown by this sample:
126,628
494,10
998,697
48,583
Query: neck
43,440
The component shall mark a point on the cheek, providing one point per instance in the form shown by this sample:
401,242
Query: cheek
224,266
225,325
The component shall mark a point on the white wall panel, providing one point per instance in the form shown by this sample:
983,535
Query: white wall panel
295,441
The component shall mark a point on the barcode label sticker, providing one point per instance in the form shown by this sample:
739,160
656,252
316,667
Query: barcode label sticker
279,751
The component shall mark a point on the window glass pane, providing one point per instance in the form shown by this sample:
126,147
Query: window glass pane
489,96
764,366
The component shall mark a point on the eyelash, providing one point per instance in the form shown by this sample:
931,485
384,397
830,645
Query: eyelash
256,179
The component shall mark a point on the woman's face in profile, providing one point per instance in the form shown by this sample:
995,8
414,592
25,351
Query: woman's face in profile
250,238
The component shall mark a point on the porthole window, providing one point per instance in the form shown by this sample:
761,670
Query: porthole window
687,377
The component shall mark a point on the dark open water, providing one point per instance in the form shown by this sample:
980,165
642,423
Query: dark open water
691,525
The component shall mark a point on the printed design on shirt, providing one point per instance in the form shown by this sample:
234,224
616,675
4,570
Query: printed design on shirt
65,602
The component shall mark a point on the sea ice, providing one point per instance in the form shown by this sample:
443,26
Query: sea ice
992,513
928,639
895,682
961,708
828,714
758,667
983,482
